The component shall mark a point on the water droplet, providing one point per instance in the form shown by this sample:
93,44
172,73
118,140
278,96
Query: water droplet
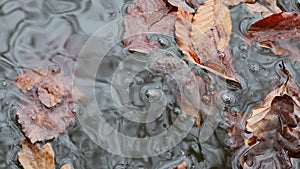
254,67
169,155
75,108
243,55
206,99
157,149
243,47
182,116
4,83
54,69
111,12
228,98
139,80
177,110
221,55
151,95
164,43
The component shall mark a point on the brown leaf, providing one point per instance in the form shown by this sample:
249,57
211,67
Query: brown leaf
204,37
271,5
285,26
51,86
274,125
259,8
147,17
66,166
236,2
181,166
46,110
34,157
191,87
236,130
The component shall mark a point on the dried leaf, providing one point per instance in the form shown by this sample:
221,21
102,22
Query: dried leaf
47,109
191,87
144,18
274,125
285,26
66,166
204,37
181,166
34,157
236,2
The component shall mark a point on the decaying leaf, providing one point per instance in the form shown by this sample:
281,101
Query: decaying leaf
204,37
47,109
236,2
276,32
34,157
176,71
274,125
187,5
181,166
146,17
271,5
236,130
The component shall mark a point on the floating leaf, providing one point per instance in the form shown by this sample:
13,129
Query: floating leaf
47,109
146,17
285,25
204,37
274,125
34,157
236,130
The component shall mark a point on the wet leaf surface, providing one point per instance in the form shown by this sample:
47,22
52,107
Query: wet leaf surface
47,109
187,5
181,166
35,157
204,37
259,8
66,166
144,18
274,125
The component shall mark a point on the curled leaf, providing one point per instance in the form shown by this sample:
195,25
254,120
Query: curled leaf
274,125
34,157
204,37
47,109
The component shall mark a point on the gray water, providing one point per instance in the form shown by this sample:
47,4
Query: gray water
37,34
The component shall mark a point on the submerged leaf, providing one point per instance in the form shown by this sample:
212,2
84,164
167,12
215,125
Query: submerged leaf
146,17
259,8
34,157
181,166
204,37
66,166
47,109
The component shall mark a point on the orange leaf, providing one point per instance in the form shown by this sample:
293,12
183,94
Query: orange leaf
204,37
34,157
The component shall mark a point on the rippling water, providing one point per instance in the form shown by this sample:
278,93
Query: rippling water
37,34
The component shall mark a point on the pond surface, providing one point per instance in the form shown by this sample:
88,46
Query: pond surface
36,34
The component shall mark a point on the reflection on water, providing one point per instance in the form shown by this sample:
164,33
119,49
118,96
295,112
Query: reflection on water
36,34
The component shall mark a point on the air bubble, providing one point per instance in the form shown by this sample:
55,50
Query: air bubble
183,117
177,110
139,80
4,83
243,47
153,94
228,98
75,108
254,67
157,149
164,43
54,69
243,55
